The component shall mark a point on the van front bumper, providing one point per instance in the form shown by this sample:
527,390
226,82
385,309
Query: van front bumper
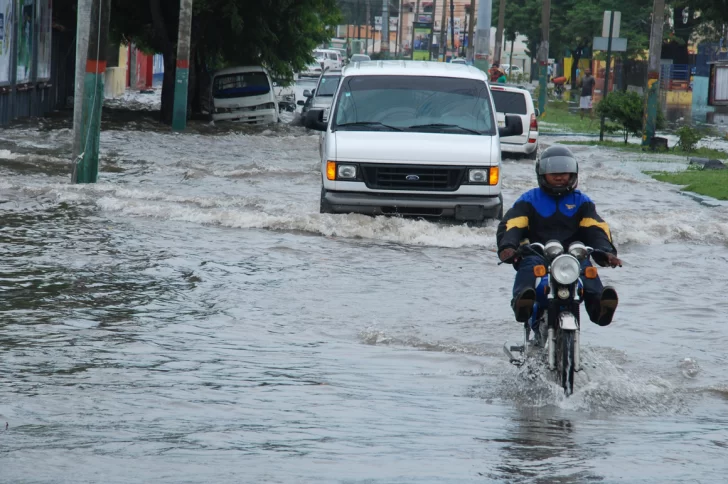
262,116
460,207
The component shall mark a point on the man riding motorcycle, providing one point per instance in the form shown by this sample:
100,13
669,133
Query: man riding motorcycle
556,210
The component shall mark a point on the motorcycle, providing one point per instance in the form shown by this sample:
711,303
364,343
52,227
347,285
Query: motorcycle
555,322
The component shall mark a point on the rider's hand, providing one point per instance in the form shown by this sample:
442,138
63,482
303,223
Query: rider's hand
506,255
613,260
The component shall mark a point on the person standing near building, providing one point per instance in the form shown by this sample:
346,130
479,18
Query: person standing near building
587,91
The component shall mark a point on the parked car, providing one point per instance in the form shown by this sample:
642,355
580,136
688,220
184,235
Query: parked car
509,69
517,101
244,94
412,138
322,95
360,58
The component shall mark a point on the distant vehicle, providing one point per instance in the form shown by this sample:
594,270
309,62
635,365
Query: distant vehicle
514,69
516,100
323,94
244,94
324,59
410,138
360,58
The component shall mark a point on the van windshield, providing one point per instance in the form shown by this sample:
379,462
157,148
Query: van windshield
243,84
422,104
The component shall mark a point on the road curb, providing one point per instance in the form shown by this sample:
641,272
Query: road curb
705,200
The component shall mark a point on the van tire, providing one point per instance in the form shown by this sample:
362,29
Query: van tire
324,206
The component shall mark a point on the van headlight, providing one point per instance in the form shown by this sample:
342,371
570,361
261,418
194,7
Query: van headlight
565,269
478,175
346,172
267,106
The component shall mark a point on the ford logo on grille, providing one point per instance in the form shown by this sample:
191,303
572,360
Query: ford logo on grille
412,178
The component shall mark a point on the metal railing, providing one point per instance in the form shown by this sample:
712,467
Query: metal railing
675,77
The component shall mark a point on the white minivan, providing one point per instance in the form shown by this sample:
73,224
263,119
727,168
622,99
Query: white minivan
244,94
412,138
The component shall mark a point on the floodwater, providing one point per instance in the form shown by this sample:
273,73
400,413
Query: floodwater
192,318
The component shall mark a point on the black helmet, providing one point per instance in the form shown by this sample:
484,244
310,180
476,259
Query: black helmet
557,159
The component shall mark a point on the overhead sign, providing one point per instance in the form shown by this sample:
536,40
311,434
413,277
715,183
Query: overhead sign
619,44
615,27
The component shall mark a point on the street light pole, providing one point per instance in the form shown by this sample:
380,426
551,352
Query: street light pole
87,162
653,73
606,73
498,50
482,35
543,56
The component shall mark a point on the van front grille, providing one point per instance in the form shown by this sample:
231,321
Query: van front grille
412,177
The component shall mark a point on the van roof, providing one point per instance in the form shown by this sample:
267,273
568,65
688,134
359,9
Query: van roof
413,68
240,69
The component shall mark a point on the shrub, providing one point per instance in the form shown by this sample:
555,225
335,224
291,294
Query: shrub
626,109
688,138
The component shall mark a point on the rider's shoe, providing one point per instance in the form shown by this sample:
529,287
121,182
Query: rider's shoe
523,304
607,306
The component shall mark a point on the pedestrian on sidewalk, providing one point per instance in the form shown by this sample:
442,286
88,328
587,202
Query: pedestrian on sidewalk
587,92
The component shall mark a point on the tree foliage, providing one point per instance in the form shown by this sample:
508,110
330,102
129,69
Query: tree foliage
278,34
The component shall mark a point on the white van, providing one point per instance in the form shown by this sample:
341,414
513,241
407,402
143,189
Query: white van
412,138
324,59
244,94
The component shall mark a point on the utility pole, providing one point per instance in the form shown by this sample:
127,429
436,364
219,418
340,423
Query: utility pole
543,56
452,27
482,35
384,43
653,73
87,163
83,15
182,73
358,20
399,30
499,33
471,28
606,73
443,30
434,12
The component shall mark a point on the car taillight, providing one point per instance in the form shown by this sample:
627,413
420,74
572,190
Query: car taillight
534,123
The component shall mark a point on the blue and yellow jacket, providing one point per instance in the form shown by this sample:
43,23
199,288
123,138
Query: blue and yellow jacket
540,217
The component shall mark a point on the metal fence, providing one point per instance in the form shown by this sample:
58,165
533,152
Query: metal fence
675,77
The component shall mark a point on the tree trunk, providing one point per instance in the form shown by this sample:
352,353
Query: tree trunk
170,68
170,60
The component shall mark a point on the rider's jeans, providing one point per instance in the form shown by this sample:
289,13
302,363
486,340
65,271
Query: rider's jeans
525,278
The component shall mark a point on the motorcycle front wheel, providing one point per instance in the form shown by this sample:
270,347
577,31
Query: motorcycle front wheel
565,361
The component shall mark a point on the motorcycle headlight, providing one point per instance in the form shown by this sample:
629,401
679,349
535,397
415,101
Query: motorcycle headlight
565,269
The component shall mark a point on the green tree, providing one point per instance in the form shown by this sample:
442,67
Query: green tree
279,34
626,109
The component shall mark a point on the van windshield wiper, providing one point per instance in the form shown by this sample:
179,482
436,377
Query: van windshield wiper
447,126
374,124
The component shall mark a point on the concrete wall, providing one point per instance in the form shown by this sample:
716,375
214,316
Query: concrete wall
115,79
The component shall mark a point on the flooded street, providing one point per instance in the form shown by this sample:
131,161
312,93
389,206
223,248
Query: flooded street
193,318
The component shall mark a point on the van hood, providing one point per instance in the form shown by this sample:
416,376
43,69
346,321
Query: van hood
408,147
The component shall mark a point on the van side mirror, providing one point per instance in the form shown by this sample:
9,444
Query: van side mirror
514,126
307,93
315,120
